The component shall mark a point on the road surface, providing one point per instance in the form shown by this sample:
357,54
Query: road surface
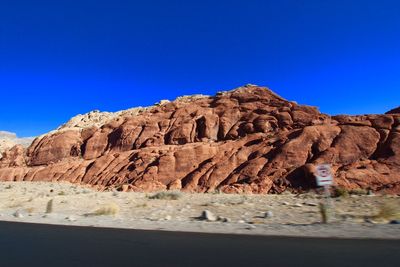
41,245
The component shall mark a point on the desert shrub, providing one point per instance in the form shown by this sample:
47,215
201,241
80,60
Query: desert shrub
109,209
217,191
358,191
389,211
30,210
167,195
340,192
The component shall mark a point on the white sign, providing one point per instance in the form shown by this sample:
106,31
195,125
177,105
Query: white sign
324,175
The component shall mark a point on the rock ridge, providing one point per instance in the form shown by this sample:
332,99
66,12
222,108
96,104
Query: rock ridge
248,140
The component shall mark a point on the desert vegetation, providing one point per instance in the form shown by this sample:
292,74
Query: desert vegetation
369,215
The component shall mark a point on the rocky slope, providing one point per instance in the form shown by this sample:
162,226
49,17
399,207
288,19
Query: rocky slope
8,140
245,140
394,111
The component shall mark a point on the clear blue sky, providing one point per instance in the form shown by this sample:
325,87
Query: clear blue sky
64,57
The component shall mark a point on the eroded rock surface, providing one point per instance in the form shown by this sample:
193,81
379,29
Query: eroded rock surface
8,140
245,140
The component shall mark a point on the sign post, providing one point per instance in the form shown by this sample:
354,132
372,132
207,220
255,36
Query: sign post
325,178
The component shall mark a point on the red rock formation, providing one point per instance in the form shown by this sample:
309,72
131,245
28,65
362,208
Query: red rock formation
394,111
246,140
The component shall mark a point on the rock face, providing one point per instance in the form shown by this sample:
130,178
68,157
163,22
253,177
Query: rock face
245,140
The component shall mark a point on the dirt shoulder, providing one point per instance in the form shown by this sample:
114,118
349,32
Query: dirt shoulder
288,215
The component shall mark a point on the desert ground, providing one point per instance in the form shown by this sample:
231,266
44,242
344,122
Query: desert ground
355,215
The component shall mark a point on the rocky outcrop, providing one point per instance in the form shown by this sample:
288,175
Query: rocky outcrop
8,140
394,111
245,140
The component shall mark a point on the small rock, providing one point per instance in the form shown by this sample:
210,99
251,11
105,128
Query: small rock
168,218
285,203
241,221
70,218
298,205
395,222
250,227
125,187
368,220
208,215
18,214
223,219
311,204
269,214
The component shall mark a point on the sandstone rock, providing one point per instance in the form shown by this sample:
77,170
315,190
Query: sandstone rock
175,185
125,187
248,140
13,157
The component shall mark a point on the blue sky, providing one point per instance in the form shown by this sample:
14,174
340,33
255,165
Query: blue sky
61,58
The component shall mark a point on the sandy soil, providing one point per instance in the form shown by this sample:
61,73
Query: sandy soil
290,215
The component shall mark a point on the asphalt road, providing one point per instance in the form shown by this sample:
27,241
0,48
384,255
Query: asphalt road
47,245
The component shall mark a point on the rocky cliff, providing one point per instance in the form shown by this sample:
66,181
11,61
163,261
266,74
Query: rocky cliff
245,140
